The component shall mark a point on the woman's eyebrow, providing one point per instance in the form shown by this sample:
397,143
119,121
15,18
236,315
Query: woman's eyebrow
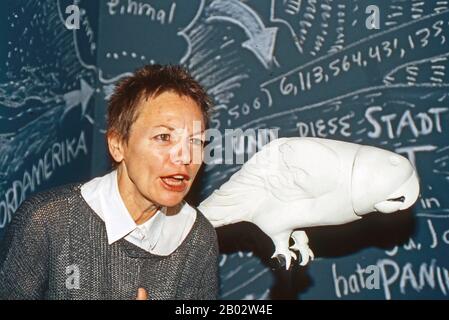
197,133
164,126
172,129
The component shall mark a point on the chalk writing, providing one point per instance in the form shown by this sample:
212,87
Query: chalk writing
58,155
137,8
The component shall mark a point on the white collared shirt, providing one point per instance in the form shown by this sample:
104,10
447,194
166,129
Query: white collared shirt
161,234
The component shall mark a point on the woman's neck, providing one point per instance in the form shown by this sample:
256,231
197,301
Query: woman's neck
140,208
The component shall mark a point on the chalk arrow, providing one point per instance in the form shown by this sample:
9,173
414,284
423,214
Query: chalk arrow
76,97
261,39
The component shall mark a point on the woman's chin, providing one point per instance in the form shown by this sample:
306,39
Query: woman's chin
171,200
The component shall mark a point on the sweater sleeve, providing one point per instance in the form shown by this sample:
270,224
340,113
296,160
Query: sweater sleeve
24,254
208,288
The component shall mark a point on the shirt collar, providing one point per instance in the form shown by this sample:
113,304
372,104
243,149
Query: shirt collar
119,222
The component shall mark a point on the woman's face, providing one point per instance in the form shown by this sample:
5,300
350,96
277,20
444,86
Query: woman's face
164,152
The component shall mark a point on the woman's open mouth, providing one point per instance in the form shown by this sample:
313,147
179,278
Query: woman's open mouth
177,183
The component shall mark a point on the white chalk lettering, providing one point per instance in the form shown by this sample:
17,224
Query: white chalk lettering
428,276
136,8
58,155
395,126
321,128
363,279
411,151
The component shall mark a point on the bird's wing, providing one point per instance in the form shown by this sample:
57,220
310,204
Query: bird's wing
313,167
236,200
286,170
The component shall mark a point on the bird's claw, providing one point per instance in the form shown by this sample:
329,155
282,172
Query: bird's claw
305,253
302,245
284,258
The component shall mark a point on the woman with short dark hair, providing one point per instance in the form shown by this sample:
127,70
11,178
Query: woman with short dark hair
128,233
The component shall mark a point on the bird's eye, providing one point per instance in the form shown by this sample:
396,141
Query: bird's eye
395,160
399,199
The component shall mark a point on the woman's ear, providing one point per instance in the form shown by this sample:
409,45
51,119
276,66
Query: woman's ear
115,145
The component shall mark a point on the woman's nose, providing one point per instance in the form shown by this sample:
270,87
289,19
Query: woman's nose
181,153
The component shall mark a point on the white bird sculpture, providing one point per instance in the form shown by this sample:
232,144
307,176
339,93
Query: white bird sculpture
294,183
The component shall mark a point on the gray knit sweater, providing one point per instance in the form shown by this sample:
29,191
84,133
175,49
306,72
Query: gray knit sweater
56,247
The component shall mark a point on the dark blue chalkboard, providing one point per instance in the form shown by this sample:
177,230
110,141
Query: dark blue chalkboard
314,68
295,67
46,102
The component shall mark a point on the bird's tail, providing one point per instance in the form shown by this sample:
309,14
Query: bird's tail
221,208
235,201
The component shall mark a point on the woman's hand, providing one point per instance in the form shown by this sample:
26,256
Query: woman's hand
142,294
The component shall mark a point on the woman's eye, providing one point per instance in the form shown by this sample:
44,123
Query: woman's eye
197,141
163,137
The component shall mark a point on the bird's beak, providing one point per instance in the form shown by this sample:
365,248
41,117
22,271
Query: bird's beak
403,198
